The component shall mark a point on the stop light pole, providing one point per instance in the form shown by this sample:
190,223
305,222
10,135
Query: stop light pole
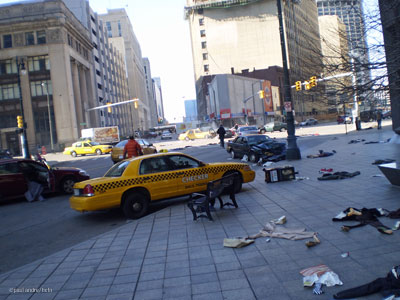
293,152
24,140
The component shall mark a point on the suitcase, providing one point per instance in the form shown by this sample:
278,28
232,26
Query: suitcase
285,173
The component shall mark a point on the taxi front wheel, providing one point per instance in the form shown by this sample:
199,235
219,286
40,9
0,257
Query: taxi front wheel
135,205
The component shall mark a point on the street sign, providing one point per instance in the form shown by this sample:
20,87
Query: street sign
82,124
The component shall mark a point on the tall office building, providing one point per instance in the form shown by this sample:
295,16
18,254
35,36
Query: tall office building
159,99
190,110
121,34
232,36
150,92
351,14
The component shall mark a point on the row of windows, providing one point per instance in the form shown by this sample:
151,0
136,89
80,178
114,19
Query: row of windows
39,88
80,49
30,39
9,91
35,63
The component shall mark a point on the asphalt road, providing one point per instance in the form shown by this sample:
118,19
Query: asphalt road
29,231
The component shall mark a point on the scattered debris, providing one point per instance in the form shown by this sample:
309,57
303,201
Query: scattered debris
319,275
383,161
268,240
321,153
245,158
396,226
356,141
325,170
344,255
338,175
299,178
378,175
237,242
267,164
279,221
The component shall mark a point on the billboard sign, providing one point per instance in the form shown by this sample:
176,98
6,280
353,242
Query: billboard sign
268,105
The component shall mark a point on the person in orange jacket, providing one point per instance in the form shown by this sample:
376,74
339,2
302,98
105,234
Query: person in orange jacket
132,148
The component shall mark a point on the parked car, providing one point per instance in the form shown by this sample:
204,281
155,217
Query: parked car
345,120
83,148
368,115
149,134
117,152
308,122
256,146
15,174
273,126
192,134
5,154
166,135
134,183
242,130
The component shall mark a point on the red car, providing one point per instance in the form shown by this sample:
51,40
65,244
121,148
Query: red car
15,173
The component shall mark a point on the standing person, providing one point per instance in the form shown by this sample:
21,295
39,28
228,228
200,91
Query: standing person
132,148
221,132
379,119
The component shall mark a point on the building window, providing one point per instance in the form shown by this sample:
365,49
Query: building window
99,86
69,40
96,59
119,28
201,21
202,33
203,45
38,63
98,72
37,89
41,37
205,56
29,38
9,91
7,41
94,32
206,68
8,67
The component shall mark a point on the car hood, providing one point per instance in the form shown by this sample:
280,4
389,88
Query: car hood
269,145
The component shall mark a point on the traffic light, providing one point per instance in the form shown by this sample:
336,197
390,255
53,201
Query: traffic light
109,109
298,85
313,81
20,122
261,93
307,85
136,105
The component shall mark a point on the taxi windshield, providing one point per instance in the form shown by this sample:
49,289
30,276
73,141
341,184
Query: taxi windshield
117,170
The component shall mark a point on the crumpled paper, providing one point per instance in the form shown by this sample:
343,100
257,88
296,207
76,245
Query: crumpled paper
320,274
237,242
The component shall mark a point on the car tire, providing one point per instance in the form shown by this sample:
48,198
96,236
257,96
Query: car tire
238,180
135,205
73,154
67,184
253,157
233,154
98,152
262,131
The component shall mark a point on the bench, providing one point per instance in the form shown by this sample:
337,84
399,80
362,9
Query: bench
200,203
391,172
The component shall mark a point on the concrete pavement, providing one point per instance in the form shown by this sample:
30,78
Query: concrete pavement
167,255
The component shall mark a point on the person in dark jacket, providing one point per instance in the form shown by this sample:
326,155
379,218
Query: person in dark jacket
132,148
221,132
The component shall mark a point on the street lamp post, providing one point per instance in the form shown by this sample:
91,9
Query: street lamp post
293,152
24,140
49,112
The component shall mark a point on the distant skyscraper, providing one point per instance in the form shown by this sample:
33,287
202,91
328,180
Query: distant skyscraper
351,14
190,110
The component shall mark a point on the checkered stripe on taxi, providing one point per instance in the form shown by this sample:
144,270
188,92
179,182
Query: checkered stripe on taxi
161,177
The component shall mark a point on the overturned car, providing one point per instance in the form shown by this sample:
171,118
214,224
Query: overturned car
257,147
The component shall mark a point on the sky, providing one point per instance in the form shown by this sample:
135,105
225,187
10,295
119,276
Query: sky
164,37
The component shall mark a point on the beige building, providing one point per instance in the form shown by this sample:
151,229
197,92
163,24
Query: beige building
53,52
121,35
335,56
231,38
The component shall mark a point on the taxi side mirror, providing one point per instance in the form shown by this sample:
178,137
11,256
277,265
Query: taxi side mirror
201,164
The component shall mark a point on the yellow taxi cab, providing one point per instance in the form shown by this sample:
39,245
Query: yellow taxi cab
117,153
83,148
133,183
192,134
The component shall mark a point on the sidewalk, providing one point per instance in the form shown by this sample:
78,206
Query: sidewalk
167,255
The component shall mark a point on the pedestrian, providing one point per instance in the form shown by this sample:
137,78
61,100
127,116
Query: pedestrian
379,119
132,148
236,126
221,132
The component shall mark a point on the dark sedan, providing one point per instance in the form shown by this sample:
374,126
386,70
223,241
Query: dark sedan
15,174
257,147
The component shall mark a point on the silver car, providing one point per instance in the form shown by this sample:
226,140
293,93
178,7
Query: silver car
166,135
243,130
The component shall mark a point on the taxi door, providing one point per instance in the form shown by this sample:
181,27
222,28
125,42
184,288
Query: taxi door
191,175
159,177
87,148
191,134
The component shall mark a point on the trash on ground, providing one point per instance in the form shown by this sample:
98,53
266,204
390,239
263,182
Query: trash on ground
325,170
268,240
298,178
396,226
383,161
245,158
338,175
285,173
388,285
344,255
356,141
267,164
378,175
237,242
319,275
321,153
279,221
